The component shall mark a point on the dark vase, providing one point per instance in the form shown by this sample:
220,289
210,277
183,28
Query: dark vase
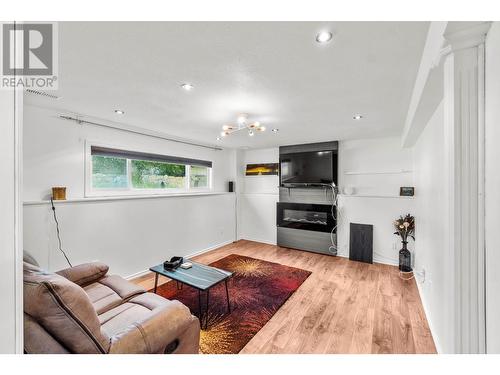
405,258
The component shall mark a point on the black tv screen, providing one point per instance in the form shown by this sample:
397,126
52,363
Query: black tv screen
318,167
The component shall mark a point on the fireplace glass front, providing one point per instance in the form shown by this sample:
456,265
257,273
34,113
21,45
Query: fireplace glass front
315,217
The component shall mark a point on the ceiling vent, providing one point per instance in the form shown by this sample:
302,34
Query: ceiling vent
44,94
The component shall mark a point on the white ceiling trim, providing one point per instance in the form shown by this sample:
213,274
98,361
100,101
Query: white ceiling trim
82,119
425,93
442,39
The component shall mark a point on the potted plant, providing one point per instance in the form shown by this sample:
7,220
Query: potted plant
405,228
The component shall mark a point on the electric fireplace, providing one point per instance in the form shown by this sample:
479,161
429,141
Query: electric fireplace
304,216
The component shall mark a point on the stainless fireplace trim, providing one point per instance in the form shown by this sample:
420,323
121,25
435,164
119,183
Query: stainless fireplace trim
318,242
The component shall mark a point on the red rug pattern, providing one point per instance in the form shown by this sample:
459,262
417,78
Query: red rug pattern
256,291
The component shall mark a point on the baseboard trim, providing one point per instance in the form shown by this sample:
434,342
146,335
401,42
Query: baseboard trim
206,250
376,259
384,260
258,240
425,306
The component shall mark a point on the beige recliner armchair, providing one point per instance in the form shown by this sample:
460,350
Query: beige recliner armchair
84,310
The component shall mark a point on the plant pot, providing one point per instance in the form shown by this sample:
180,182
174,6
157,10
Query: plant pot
405,258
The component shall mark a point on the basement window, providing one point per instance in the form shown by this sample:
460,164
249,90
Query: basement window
109,172
157,175
121,172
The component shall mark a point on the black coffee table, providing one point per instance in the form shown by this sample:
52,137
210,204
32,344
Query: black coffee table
200,277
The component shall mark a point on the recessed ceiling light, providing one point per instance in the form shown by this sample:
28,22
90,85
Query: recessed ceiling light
275,130
119,112
219,138
187,86
250,133
324,37
357,117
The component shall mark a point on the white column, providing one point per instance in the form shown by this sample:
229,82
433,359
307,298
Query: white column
11,307
492,191
464,127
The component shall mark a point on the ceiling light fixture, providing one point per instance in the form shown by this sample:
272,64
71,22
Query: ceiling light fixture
357,117
324,37
275,130
187,86
242,123
242,118
119,112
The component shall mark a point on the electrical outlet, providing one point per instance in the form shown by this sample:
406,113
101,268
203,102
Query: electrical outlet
420,275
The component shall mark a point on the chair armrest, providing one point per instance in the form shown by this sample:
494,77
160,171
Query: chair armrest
169,329
85,273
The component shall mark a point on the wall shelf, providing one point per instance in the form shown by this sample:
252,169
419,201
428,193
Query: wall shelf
263,193
375,196
123,197
402,171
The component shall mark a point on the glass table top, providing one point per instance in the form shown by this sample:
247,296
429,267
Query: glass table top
199,276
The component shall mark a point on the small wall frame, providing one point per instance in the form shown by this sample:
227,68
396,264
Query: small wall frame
406,191
265,169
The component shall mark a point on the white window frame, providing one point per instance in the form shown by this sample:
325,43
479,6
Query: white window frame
131,191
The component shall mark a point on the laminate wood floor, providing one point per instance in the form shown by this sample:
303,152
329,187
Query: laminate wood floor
343,307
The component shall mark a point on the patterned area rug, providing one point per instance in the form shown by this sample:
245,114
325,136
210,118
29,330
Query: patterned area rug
257,290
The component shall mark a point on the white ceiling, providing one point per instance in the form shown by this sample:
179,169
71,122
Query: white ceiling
274,71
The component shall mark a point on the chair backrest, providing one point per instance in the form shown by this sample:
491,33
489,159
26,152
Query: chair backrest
64,310
28,258
38,341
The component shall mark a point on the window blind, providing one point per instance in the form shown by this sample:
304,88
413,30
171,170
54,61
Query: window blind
116,153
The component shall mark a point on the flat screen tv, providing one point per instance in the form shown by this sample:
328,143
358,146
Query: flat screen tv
308,168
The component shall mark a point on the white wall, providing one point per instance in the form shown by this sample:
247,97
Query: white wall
376,203
374,169
54,153
257,197
379,212
430,247
492,193
130,234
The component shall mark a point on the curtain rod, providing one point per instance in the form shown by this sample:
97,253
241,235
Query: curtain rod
81,121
